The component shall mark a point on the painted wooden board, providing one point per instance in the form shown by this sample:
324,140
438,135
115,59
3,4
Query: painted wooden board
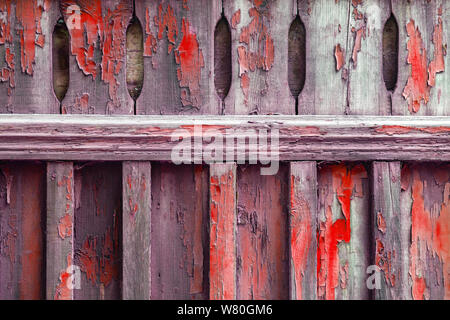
223,240
61,273
423,85
425,198
302,230
178,56
326,82
262,234
25,56
97,56
391,229
179,237
344,232
98,230
136,220
259,31
22,225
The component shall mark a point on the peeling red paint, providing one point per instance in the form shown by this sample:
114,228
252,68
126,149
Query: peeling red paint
65,226
346,183
383,260
301,221
360,34
150,44
236,19
7,73
381,223
339,56
62,289
437,64
394,129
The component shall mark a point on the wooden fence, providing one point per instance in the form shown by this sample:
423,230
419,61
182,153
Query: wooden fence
92,207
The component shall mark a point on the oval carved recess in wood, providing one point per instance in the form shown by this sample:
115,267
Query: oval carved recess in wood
60,53
222,58
135,58
390,53
297,56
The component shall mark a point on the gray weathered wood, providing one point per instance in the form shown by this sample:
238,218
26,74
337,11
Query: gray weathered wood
302,230
136,201
60,221
149,138
391,229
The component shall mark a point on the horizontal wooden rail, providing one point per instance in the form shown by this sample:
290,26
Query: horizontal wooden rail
109,138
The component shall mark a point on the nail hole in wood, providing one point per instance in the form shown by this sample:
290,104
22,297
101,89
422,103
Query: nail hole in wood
390,53
60,59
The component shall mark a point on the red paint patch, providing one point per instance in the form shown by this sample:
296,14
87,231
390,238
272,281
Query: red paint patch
360,34
62,290
65,226
339,56
236,19
437,64
381,223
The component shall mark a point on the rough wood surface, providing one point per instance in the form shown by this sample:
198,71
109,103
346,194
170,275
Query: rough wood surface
180,227
136,220
391,229
425,198
149,138
343,232
223,241
22,226
423,86
26,31
60,231
97,56
98,230
178,56
259,31
302,230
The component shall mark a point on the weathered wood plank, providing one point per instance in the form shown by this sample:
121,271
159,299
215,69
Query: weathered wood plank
423,86
97,56
302,230
26,31
344,228
179,56
391,229
179,231
59,232
425,198
149,138
136,201
98,230
223,210
22,225
260,57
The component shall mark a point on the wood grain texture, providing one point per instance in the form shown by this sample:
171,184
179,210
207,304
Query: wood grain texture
260,57
425,198
60,231
423,85
302,230
25,56
149,138
179,236
98,230
178,56
136,220
391,229
223,239
22,227
343,235
97,56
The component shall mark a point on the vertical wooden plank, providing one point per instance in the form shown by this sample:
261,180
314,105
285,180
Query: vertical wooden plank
223,262
179,232
262,234
302,230
343,236
391,229
367,94
97,62
98,230
260,57
22,225
425,198
136,201
179,56
60,221
326,83
25,56
423,86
